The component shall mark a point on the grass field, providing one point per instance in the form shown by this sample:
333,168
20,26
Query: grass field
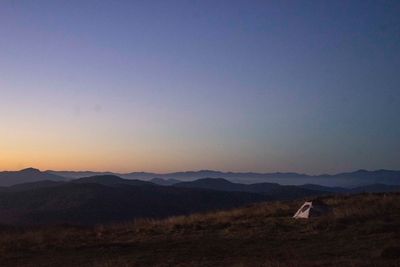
362,230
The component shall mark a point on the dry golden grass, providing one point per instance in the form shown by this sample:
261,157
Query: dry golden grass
362,230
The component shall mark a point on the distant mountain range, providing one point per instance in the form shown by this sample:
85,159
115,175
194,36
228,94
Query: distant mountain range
103,199
111,180
348,179
273,190
8,178
283,192
109,198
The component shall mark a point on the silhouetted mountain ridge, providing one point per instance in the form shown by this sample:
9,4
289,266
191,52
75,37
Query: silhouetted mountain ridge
110,180
346,179
92,203
107,198
8,178
273,190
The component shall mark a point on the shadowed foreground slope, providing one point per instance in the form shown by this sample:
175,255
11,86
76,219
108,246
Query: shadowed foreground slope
90,203
362,230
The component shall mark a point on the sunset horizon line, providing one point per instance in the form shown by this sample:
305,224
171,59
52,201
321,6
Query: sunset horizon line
201,170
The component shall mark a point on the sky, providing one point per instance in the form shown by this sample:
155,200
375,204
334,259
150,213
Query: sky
161,86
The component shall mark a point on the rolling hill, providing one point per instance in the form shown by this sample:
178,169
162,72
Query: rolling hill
276,191
8,178
347,179
92,203
361,231
110,180
31,186
109,198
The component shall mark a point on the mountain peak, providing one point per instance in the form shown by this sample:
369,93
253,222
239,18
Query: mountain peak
30,170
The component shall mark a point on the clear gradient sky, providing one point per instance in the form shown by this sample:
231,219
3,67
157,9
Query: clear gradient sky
306,86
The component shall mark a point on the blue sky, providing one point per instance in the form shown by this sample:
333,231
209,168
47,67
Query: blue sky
307,86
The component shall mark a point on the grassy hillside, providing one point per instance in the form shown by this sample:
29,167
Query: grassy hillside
89,203
362,230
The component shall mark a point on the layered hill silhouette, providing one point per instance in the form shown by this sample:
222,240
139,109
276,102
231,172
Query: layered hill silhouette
8,178
274,190
31,186
109,198
347,179
111,180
